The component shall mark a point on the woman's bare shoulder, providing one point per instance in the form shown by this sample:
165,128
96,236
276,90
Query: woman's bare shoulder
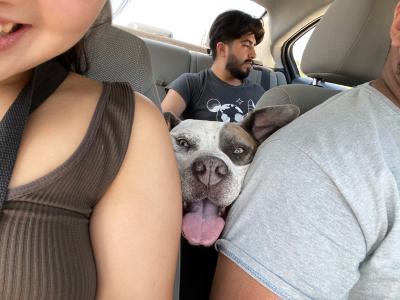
56,128
146,113
79,88
141,213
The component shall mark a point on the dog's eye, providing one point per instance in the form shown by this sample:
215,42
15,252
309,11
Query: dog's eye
238,150
183,143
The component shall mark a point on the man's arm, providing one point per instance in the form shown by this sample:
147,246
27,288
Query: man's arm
173,102
291,230
231,282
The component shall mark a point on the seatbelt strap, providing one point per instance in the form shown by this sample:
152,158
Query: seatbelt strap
45,80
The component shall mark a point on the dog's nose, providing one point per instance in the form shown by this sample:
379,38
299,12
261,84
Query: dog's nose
209,170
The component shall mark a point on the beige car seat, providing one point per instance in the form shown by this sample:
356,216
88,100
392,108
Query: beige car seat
348,46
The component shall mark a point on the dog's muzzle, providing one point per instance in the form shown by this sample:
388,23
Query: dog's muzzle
202,221
209,170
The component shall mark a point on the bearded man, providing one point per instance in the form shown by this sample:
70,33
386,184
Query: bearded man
222,92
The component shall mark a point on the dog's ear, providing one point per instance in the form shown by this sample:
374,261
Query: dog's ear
261,123
171,120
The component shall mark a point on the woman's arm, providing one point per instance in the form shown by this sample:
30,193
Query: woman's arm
135,228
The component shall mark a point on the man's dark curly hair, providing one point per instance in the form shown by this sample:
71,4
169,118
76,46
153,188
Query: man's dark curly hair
231,25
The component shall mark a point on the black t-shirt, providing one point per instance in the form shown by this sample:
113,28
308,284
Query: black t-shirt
209,98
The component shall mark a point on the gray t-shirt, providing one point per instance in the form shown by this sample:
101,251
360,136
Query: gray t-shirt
209,98
319,214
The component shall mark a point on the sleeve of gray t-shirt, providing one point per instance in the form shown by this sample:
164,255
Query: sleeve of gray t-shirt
292,230
187,85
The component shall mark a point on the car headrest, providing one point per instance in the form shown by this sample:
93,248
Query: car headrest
105,15
305,97
117,56
350,43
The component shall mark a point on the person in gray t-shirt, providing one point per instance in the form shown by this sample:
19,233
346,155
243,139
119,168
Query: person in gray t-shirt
319,214
221,93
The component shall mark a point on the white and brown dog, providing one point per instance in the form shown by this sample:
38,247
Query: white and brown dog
213,158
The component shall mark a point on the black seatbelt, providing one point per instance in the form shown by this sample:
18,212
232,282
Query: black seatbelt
45,80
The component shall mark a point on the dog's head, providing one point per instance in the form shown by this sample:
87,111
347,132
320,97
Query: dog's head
213,158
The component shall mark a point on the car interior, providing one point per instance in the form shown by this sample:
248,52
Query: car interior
348,47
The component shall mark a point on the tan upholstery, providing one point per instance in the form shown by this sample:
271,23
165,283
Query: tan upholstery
350,43
304,96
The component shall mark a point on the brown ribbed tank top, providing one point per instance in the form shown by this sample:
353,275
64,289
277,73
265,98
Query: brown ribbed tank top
45,249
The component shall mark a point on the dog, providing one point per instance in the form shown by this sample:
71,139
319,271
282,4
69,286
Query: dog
213,158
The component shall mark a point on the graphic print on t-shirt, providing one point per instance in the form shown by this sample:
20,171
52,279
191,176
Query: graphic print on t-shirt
229,112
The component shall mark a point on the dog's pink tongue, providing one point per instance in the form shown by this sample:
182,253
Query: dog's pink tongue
202,225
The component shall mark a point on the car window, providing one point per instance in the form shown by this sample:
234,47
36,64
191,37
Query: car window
187,21
297,52
298,49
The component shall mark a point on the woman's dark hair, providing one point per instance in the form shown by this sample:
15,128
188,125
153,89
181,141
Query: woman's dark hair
233,24
76,58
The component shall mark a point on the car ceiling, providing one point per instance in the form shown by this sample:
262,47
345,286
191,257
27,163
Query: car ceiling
288,17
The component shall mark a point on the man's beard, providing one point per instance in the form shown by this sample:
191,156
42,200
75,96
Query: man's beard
233,66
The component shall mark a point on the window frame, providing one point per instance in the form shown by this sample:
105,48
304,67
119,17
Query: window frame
288,61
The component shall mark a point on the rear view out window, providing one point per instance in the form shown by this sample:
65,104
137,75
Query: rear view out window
187,21
298,49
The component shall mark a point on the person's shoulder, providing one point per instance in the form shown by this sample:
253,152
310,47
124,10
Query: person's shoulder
253,85
188,78
148,118
196,75
259,88
77,96
248,82
80,89
331,123
80,84
145,110
200,75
